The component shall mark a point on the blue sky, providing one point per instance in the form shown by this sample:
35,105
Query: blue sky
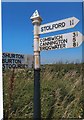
17,27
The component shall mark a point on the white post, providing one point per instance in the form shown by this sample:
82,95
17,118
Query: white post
36,21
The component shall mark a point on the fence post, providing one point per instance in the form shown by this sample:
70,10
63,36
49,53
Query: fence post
36,21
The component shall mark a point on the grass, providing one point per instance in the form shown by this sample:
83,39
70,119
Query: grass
61,92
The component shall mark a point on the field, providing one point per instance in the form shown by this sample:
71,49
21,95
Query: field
62,91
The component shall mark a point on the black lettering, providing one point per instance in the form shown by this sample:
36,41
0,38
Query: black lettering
3,60
3,55
65,40
47,27
74,34
41,29
17,61
7,66
44,28
56,26
64,45
53,26
74,44
3,66
71,22
63,24
60,24
41,44
9,60
53,47
12,55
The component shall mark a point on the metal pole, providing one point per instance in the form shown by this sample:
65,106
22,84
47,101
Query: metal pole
36,20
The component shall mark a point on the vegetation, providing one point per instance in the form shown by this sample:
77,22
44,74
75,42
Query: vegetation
61,92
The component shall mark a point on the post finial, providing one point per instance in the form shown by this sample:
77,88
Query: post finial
36,16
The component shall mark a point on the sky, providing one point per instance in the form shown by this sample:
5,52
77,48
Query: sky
17,28
42,0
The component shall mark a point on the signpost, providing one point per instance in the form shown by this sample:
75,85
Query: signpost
67,40
36,20
58,25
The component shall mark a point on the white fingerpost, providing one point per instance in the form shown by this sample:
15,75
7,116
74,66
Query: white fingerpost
36,21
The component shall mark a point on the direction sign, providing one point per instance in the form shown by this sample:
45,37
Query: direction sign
58,25
68,40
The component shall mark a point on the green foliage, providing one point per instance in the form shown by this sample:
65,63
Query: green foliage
62,91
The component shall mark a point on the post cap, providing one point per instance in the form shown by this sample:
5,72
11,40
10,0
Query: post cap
36,15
